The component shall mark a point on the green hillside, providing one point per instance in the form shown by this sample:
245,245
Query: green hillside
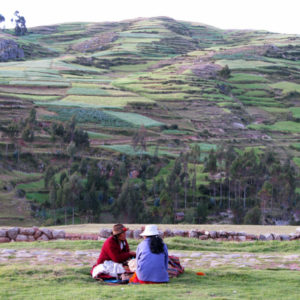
131,103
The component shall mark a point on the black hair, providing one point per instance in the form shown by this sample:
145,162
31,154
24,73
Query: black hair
156,244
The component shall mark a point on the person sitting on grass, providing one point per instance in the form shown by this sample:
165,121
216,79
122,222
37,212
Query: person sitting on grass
151,258
115,248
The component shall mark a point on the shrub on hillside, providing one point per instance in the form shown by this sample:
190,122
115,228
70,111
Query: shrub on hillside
225,72
253,216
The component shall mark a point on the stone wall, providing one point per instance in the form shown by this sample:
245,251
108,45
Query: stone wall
32,234
216,235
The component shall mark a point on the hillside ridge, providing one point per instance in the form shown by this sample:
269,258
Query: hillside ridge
152,98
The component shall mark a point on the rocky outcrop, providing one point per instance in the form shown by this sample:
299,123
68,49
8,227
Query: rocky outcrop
10,50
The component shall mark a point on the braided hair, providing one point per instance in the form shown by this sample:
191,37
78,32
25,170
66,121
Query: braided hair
156,244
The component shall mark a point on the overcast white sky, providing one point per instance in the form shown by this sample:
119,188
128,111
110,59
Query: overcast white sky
273,15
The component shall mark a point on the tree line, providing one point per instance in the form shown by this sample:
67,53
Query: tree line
255,185
19,21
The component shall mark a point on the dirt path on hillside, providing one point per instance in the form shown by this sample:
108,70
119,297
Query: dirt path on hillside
189,259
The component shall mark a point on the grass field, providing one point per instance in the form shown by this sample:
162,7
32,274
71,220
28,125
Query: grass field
60,280
66,282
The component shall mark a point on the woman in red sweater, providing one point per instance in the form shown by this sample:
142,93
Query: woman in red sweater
115,248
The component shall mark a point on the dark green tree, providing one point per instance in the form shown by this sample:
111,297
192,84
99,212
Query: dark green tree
211,162
129,203
49,173
75,188
166,207
81,138
265,196
195,155
12,131
253,216
116,180
225,72
28,133
83,167
2,19
20,24
53,196
32,117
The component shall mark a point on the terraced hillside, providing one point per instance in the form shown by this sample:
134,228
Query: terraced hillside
179,84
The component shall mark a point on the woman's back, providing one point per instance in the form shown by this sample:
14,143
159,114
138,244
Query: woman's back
152,266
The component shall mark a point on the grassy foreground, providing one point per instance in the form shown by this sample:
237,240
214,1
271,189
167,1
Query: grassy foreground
61,282
20,280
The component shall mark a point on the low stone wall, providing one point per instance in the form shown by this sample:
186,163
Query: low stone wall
76,236
216,235
32,234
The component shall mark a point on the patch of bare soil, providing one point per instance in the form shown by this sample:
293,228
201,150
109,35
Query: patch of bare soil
44,112
99,42
33,90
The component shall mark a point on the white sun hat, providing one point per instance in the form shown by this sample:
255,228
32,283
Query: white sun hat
150,230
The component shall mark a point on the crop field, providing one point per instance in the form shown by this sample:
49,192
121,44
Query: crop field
32,186
275,110
247,78
162,151
39,83
286,87
98,136
134,119
297,161
99,101
105,117
296,112
243,64
30,97
38,197
285,126
296,146
16,177
87,91
126,149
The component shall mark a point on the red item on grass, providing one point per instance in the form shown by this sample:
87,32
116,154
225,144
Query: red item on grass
134,279
200,273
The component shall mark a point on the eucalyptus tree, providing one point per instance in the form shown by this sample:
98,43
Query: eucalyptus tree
75,188
12,132
2,19
195,155
129,202
20,23
53,196
229,157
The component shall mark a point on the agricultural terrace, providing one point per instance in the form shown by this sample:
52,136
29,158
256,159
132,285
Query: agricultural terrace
169,117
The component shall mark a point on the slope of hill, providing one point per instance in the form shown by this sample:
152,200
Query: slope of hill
184,83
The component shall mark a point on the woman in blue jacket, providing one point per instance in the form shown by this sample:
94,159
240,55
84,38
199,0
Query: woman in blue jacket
152,257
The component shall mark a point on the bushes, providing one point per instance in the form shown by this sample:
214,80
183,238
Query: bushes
253,216
225,72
